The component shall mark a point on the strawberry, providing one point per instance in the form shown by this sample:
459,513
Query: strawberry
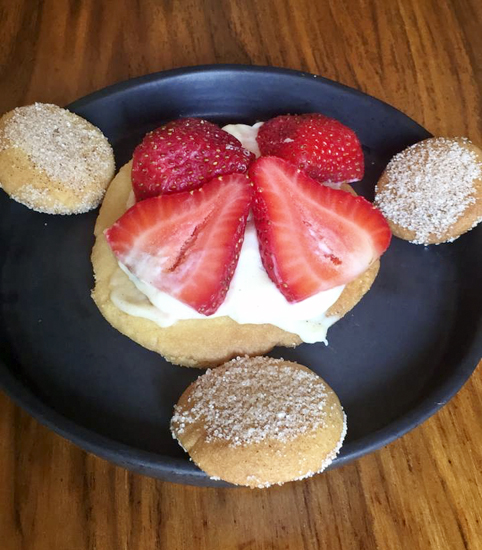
183,155
186,244
323,147
312,237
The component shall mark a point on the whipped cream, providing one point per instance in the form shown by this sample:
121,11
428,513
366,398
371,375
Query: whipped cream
252,296
246,135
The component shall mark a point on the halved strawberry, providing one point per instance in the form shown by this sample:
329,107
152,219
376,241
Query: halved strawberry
186,244
312,237
323,147
183,155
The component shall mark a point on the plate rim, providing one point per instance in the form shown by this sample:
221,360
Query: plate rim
166,467
123,85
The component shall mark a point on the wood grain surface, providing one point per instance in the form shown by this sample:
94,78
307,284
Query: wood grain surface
423,491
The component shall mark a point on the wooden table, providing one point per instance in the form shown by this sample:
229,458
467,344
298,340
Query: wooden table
423,491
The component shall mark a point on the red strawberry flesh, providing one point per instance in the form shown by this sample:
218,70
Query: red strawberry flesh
186,244
323,147
312,237
183,155
273,133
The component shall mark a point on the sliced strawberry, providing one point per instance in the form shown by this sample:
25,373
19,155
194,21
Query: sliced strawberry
273,133
186,244
183,155
312,237
323,147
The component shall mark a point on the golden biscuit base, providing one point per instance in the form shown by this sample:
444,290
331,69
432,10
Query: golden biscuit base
195,342
27,182
471,216
215,423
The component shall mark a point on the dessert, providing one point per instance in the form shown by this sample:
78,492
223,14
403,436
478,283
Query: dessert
431,192
52,160
253,316
259,421
215,339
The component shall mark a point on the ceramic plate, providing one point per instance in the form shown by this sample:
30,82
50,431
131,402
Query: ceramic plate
396,358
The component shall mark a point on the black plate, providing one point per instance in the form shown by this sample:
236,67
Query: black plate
394,360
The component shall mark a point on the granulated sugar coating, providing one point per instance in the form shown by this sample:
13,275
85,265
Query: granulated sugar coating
255,399
66,147
52,160
429,186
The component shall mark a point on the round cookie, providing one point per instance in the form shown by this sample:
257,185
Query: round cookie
192,343
259,421
431,192
52,160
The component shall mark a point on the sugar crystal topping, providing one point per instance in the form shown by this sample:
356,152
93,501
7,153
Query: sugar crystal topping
255,399
66,147
430,185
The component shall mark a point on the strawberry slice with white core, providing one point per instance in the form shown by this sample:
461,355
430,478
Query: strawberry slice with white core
186,244
312,237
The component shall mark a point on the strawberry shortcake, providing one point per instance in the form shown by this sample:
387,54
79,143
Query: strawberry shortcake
204,252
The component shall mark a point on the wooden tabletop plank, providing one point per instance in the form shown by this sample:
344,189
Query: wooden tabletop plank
422,491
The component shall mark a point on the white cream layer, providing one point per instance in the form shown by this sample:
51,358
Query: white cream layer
246,135
252,297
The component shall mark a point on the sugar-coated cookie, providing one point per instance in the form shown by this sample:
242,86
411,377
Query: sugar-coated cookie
259,421
193,343
431,192
52,160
